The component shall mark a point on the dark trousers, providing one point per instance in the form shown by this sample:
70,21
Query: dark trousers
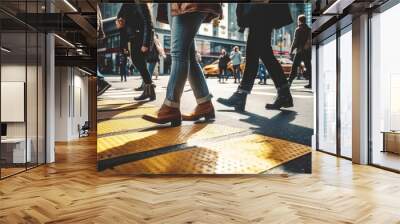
139,60
223,73
259,47
122,71
236,72
263,77
303,56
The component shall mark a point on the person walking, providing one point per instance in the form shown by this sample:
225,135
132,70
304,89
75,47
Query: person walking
102,84
223,65
186,21
136,35
302,45
236,57
261,19
153,58
198,58
262,74
123,61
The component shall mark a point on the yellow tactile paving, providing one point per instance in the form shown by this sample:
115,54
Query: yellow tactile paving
123,144
112,102
127,106
118,125
122,113
252,154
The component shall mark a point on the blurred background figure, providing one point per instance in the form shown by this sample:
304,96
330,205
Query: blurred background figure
302,45
198,58
123,63
102,85
262,74
223,65
236,57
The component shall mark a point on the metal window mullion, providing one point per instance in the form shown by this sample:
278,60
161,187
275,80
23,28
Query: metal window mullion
317,96
0,94
26,87
37,91
369,100
338,95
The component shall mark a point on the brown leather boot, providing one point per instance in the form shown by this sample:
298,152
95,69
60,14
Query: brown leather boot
205,110
164,115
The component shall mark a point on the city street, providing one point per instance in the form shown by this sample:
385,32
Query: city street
256,141
293,124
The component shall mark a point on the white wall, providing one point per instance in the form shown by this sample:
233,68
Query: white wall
71,102
15,73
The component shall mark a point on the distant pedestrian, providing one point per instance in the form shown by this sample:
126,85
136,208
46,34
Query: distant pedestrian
155,54
123,59
262,74
236,57
302,45
198,58
223,65
102,84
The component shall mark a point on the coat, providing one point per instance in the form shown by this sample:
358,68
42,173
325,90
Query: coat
223,61
214,10
268,15
134,26
236,57
302,38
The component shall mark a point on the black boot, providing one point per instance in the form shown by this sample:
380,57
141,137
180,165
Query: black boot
103,86
148,93
237,100
140,88
291,79
284,99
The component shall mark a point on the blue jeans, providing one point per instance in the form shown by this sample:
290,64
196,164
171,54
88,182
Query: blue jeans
184,65
236,72
151,67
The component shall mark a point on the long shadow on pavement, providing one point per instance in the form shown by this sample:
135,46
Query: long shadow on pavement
278,126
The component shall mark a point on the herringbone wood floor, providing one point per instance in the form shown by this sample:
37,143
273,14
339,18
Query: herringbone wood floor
72,191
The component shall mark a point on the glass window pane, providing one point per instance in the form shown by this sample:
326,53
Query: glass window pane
327,96
346,94
13,86
385,84
41,99
31,98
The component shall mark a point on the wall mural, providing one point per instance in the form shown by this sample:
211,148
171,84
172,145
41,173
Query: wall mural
189,88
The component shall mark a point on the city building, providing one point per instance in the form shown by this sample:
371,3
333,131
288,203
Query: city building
211,38
209,41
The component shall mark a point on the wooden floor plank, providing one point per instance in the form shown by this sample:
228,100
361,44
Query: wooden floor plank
72,191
